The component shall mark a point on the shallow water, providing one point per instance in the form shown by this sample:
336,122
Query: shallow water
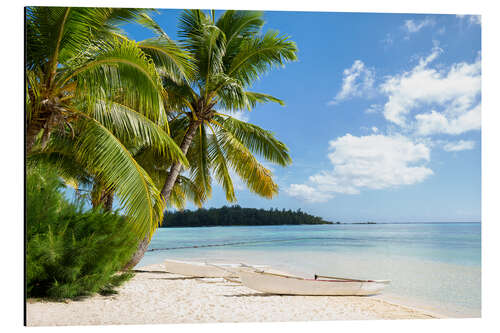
436,266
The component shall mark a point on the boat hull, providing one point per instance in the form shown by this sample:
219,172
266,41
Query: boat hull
198,269
281,285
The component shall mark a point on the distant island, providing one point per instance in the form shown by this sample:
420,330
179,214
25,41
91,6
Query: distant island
236,215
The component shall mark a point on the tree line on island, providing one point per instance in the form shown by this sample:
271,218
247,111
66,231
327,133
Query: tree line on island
236,215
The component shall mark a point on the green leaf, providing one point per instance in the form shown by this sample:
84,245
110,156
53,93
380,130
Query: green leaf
114,166
256,139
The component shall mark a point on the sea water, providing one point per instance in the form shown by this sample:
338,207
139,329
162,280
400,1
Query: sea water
434,266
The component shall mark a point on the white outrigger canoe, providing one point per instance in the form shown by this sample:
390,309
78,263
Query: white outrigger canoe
319,286
205,269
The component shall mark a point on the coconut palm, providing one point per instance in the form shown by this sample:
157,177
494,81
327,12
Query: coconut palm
90,92
229,54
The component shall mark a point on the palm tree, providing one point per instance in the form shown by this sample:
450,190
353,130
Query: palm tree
90,92
229,55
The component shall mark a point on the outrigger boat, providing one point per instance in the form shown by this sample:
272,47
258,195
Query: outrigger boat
280,284
205,269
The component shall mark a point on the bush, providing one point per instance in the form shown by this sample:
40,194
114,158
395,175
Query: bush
71,252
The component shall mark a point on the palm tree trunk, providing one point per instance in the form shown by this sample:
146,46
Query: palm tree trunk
176,167
101,196
32,131
30,141
138,255
166,190
108,201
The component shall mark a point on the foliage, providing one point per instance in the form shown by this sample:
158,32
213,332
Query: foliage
91,93
71,252
100,107
235,215
229,54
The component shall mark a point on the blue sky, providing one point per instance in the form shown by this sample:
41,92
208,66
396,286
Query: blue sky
382,116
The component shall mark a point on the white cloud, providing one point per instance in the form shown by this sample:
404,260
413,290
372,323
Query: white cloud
471,19
374,108
451,96
435,122
415,26
367,162
459,146
357,81
423,101
307,193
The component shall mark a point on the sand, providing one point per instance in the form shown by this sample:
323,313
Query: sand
156,297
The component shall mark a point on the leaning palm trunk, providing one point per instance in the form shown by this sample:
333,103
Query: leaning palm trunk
31,133
45,120
166,191
176,167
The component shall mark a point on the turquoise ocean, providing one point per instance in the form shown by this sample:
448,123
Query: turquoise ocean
432,266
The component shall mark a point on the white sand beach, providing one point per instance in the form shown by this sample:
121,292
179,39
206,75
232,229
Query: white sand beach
156,297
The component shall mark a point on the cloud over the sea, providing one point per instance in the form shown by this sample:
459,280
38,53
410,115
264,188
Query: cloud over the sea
442,100
418,106
366,162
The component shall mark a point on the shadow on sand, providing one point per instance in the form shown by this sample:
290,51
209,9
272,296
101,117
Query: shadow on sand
252,295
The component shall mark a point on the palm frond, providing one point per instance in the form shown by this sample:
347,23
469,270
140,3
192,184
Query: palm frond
199,161
130,125
204,41
185,189
100,151
121,66
67,167
231,94
256,139
256,177
147,21
258,55
220,167
191,22
238,25
64,32
192,191
253,98
170,60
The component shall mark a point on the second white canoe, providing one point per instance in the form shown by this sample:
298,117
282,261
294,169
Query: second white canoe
203,269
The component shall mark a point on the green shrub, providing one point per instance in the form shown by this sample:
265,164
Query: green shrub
71,252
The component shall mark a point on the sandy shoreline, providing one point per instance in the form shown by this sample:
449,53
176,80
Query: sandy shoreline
163,298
